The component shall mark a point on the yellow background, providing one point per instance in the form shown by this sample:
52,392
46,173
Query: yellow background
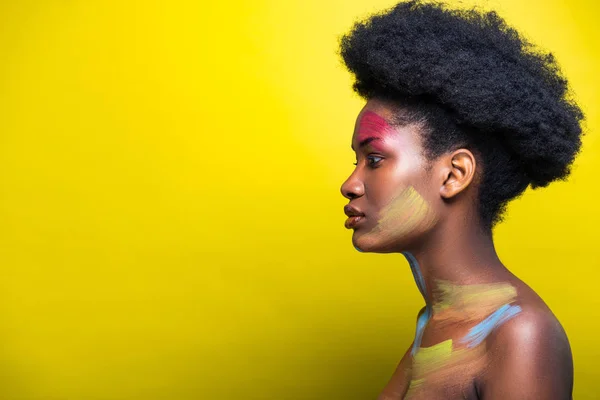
171,221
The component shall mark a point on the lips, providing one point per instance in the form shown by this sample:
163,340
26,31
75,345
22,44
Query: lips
354,216
351,222
352,211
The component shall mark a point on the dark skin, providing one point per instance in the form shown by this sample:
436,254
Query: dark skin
529,356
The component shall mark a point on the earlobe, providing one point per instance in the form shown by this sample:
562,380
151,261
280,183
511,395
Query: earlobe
458,173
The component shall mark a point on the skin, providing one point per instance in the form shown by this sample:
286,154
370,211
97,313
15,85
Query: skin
426,210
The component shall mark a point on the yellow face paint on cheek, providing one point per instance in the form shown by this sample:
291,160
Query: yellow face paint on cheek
407,211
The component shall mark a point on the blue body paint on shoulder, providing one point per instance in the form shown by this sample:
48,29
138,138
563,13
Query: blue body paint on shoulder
476,334
479,332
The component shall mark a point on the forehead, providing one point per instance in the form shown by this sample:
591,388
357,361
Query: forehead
375,120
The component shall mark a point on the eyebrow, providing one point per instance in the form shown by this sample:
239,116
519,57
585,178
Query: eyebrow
365,142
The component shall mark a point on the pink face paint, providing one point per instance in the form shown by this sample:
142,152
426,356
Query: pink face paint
373,130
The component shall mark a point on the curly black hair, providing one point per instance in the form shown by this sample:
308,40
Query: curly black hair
474,82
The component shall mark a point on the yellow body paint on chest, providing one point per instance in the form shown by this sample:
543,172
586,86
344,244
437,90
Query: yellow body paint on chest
439,363
428,359
443,365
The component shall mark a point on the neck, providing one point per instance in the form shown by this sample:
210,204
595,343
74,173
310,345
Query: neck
459,266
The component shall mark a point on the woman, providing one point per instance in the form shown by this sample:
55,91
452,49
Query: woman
462,115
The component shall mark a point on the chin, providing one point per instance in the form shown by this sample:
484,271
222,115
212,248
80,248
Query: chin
366,243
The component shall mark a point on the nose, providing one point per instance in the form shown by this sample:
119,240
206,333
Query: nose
352,187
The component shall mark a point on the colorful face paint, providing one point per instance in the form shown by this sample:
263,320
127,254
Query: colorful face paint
373,130
380,187
405,212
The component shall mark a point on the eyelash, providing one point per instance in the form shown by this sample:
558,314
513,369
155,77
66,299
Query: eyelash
372,164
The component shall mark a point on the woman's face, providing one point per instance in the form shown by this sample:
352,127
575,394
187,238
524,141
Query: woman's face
390,184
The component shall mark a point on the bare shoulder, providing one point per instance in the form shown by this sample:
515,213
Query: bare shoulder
530,356
535,327
531,331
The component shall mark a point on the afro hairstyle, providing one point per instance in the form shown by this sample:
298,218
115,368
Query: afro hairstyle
474,82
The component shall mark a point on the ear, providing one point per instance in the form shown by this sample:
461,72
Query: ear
459,170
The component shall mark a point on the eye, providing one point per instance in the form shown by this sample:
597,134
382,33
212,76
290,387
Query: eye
371,163
374,162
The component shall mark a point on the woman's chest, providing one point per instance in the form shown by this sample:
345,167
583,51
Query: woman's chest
443,371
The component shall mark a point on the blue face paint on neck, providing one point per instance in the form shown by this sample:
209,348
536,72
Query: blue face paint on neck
357,249
414,267
423,318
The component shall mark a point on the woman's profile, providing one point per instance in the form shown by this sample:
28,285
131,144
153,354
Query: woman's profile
462,114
